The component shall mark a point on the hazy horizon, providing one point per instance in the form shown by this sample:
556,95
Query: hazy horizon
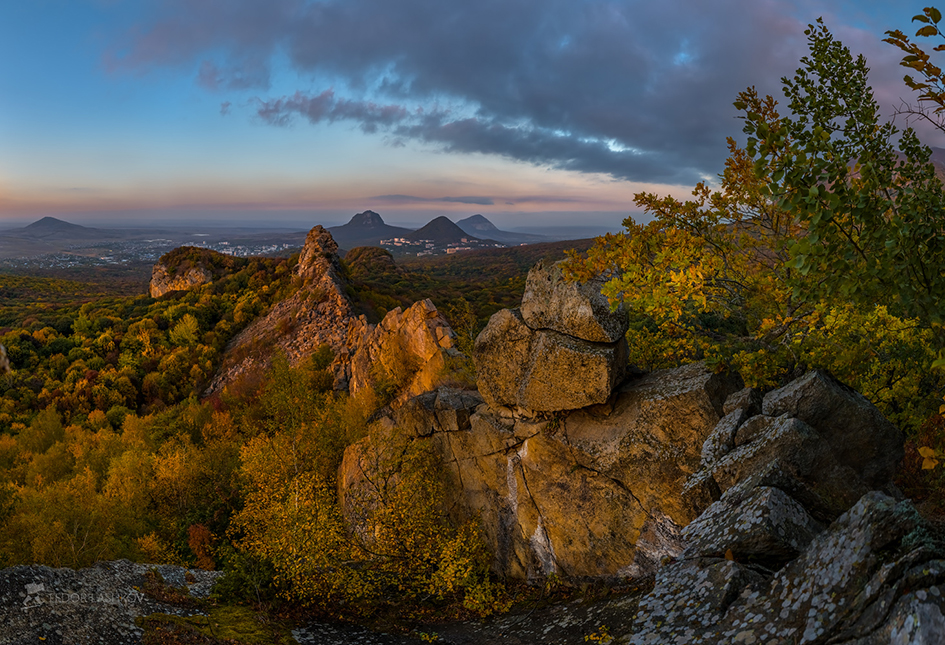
513,222
533,114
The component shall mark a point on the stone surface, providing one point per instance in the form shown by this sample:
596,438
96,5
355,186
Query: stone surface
722,440
98,604
563,350
162,282
767,525
787,453
748,399
589,494
414,348
874,576
577,309
544,370
858,433
319,313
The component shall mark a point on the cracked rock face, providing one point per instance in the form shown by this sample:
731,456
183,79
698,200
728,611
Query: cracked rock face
544,370
563,350
577,309
595,493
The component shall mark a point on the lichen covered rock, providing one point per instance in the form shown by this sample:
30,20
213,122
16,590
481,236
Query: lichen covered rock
858,433
874,576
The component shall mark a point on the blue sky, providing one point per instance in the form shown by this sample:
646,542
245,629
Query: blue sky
531,112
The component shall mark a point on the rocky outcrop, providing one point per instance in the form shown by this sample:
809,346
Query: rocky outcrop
827,447
658,472
796,547
875,575
98,604
319,313
577,309
409,351
190,267
563,350
544,370
593,493
857,432
163,282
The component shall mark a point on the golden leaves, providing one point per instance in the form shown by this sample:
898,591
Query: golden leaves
929,455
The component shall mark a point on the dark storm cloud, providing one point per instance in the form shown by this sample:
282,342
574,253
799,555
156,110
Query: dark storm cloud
637,90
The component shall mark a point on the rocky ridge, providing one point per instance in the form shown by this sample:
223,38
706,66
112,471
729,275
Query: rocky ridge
320,313
765,518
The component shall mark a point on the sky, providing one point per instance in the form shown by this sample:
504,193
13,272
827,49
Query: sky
297,112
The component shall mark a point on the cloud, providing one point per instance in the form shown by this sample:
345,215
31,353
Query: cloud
637,90
326,107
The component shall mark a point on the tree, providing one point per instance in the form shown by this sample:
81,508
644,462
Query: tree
931,88
820,249
873,215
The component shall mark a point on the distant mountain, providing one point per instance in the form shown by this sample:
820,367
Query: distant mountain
442,231
481,227
365,229
50,227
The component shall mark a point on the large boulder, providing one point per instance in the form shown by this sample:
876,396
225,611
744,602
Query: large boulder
544,370
858,433
577,309
563,350
593,493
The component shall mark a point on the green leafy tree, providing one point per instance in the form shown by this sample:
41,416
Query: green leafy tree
820,248
873,215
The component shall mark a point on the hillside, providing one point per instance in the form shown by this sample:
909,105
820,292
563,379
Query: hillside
50,227
440,231
365,229
481,227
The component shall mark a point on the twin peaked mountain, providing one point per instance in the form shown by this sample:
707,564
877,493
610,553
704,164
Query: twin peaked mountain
368,229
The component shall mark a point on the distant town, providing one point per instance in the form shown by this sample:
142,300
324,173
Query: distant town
135,251
51,243
403,245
